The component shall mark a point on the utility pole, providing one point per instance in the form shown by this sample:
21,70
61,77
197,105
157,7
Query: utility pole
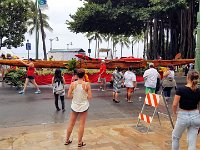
36,32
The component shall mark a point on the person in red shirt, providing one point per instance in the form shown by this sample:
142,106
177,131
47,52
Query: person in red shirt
102,76
30,76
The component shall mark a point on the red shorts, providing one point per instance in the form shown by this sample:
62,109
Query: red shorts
130,89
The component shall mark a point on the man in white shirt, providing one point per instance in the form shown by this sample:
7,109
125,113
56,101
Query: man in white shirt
130,83
150,77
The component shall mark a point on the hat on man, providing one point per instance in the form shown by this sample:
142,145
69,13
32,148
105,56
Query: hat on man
151,64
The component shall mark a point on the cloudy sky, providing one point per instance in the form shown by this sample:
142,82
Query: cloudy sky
58,12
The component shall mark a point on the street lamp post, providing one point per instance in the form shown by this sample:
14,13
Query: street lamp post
197,50
51,40
69,44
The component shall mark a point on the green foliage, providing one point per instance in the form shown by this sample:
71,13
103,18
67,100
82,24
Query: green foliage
66,71
125,17
33,14
71,64
13,17
105,19
15,77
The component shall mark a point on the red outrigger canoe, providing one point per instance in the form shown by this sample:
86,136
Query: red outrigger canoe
93,63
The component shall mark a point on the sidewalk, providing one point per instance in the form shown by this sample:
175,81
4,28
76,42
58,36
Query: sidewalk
111,134
119,133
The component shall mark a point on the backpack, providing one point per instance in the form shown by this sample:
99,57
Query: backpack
58,88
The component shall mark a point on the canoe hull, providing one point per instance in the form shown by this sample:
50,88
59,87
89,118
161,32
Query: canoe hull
95,64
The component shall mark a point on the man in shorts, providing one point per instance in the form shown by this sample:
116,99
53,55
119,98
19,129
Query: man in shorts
130,83
102,76
150,77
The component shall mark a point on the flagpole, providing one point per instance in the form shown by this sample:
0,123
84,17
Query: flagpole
36,31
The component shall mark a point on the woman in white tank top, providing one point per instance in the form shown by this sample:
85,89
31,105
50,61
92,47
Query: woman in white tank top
80,93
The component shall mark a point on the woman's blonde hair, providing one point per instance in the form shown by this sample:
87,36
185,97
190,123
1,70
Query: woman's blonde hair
193,75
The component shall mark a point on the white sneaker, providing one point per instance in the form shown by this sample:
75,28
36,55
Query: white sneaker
21,92
38,92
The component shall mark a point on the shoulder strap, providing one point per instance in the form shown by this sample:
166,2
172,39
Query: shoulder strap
84,85
75,84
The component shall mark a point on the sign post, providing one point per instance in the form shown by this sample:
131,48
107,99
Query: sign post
89,51
28,47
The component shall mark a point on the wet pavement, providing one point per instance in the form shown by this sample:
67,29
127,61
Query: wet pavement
30,121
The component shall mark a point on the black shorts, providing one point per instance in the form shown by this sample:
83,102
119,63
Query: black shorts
30,77
79,112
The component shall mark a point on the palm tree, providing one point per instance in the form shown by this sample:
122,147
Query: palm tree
38,20
137,39
97,37
123,40
133,42
115,41
107,37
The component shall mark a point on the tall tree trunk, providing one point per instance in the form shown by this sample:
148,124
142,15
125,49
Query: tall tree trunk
113,48
162,36
138,49
182,36
0,42
132,47
121,49
108,42
151,41
190,29
145,40
96,47
43,35
167,43
155,39
159,39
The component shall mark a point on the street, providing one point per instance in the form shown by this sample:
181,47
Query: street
34,109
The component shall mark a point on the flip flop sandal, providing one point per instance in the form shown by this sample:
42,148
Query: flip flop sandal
68,142
81,144
117,101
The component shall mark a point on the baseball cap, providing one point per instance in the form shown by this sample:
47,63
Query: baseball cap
151,64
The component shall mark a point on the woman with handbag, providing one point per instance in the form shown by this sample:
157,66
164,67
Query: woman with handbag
188,117
168,81
58,82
